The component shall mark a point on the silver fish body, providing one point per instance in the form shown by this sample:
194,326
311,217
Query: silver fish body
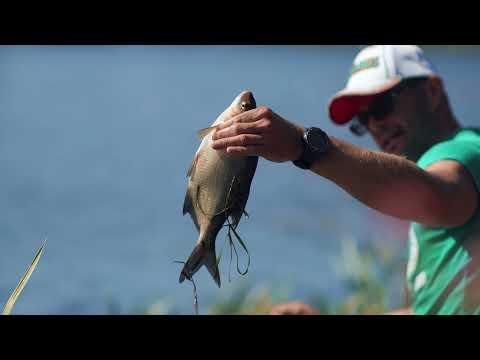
218,188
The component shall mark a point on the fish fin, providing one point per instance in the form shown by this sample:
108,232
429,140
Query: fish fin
193,165
236,216
187,203
188,208
243,193
202,254
238,208
204,132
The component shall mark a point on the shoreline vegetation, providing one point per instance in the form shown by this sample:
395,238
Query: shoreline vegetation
367,274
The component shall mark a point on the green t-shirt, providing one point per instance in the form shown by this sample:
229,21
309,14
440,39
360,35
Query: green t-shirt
444,263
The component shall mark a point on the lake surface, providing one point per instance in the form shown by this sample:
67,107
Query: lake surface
95,143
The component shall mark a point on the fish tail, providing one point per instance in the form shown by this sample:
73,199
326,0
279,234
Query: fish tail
202,254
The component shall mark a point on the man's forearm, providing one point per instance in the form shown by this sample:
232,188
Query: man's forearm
388,183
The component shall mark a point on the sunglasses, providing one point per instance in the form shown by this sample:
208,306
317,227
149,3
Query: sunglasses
382,106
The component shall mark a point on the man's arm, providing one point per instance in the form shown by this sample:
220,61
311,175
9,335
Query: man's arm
443,195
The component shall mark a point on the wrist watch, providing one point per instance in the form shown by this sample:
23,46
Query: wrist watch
315,143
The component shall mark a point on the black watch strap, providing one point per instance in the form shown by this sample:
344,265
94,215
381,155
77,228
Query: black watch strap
315,143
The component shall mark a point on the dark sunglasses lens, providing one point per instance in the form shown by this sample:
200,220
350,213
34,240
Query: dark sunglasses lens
382,107
357,128
362,118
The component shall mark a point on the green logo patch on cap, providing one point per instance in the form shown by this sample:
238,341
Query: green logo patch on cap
364,64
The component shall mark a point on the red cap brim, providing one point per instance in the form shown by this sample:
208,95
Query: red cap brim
345,108
347,104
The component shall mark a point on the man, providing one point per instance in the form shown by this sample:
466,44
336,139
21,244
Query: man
428,171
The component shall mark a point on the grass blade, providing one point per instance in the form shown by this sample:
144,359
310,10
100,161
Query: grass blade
16,293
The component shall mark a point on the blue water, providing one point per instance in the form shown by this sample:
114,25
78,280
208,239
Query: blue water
95,142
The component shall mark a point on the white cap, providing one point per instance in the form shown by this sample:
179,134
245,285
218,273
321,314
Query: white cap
377,69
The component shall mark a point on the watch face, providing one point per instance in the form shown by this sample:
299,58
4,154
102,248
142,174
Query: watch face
316,139
316,142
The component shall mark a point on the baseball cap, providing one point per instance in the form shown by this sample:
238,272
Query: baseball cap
375,70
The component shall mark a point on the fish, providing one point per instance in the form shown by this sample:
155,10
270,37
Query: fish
218,188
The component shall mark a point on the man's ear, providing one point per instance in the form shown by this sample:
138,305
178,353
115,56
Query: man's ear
434,91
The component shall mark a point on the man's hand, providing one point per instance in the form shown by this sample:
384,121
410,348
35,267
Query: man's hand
399,312
293,308
260,132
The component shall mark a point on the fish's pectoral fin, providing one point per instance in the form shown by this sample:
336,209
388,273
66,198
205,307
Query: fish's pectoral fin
204,132
188,208
193,165
187,203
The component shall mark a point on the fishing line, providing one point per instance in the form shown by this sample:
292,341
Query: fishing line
225,209
230,242
195,296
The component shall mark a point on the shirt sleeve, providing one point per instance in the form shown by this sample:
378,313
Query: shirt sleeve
465,152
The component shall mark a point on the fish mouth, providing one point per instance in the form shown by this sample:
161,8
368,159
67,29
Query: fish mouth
248,103
247,106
